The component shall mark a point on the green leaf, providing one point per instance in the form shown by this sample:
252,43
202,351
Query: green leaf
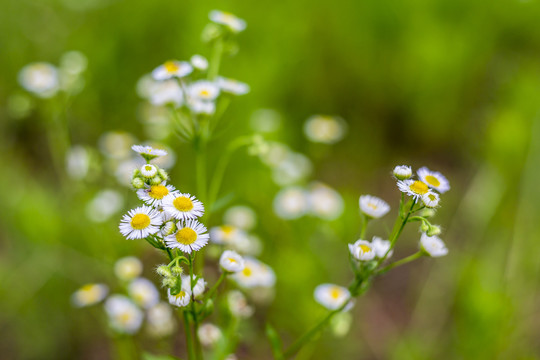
275,342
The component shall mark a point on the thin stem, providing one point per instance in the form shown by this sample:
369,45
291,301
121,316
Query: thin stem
189,340
398,232
198,349
215,287
364,226
399,263
215,62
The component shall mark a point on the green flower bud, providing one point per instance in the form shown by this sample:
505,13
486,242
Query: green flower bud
434,230
427,213
156,180
137,183
171,282
163,174
177,270
136,173
164,270
424,227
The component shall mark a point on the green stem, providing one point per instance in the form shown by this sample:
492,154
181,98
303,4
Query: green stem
189,340
198,349
215,61
396,234
364,227
215,287
399,263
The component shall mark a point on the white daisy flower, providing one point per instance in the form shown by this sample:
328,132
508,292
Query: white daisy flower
203,90
209,334
331,296
325,202
414,188
232,86
362,250
199,62
172,68
165,92
40,78
434,179
202,107
381,247
154,194
143,292
433,245
325,129
291,203
160,320
238,304
148,171
373,206
191,236
234,23
181,299
124,315
89,294
182,206
402,172
128,268
230,261
168,228
140,222
148,151
431,199
241,216
255,273
226,234
198,288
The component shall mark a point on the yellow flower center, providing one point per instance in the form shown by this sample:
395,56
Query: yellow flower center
372,205
335,293
158,191
171,66
419,187
432,197
148,168
183,203
227,229
247,271
124,317
204,93
88,287
232,260
140,221
365,248
186,236
180,294
432,180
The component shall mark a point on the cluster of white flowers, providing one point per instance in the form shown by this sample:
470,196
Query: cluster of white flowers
46,80
317,199
126,312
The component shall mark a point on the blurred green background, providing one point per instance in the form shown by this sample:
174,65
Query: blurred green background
453,85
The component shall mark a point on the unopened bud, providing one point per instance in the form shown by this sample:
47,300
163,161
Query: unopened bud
170,282
163,174
156,180
137,183
164,270
427,213
424,227
434,230
177,270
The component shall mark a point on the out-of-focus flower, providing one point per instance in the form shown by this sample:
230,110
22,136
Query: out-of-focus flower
143,292
414,188
293,169
198,106
276,154
199,62
105,204
235,24
77,162
325,129
181,299
160,320
116,144
433,246
191,236
232,86
325,202
255,273
128,268
434,179
381,247
166,92
73,62
431,199
172,68
198,288
124,316
226,234
362,250
140,222
209,334
89,294
332,296
238,304
241,216
231,262
203,90
373,206
40,78
402,172
291,203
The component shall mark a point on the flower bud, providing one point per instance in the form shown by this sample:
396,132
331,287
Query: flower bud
156,180
402,172
137,183
177,270
136,173
427,213
434,230
164,270
171,282
424,227
163,174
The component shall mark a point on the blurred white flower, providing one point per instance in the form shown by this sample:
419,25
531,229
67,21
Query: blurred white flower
181,299
275,155
198,288
332,296
143,292
325,202
362,250
116,144
225,234
89,294
199,62
231,262
234,23
238,304
203,90
381,247
293,169
77,162
160,320
202,107
209,334
232,86
325,129
105,204
172,68
73,62
241,216
373,206
291,203
128,268
431,199
434,179
124,315
255,274
40,78
433,245
166,92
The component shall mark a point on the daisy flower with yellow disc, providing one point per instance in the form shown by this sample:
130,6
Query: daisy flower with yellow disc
140,222
182,206
172,68
154,194
332,296
191,236
434,179
414,188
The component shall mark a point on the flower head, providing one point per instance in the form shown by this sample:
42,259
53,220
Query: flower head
434,179
325,129
128,268
182,206
203,90
40,78
154,194
199,62
325,202
235,24
124,315
231,262
172,68
402,172
414,188
373,206
140,222
291,203
181,299
226,234
209,334
89,294
431,199
241,216
238,304
148,152
433,246
232,86
143,292
191,236
362,250
160,320
198,288
331,296
381,247
254,274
